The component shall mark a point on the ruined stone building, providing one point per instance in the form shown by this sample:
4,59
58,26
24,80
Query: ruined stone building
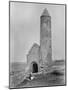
40,57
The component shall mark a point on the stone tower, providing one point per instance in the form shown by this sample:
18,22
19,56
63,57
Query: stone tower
45,38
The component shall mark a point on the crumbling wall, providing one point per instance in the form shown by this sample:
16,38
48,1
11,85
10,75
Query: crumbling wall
33,56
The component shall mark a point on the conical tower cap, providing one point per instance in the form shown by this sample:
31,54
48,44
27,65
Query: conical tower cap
45,13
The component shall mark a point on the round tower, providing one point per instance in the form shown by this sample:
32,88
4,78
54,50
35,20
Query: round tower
45,38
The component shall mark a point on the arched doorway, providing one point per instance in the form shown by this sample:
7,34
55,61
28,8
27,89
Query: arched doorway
34,67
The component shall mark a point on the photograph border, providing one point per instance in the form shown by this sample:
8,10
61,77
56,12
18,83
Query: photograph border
65,42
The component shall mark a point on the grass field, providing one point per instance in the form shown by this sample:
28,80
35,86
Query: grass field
53,78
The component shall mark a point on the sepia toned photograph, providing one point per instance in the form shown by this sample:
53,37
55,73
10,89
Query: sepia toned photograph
37,44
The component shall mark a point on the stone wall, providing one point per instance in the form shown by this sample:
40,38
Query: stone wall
33,56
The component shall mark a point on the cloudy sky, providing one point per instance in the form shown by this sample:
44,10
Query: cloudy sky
25,29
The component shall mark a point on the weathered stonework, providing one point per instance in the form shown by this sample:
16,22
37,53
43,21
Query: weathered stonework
41,56
33,56
45,38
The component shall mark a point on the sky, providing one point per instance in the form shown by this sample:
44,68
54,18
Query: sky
25,29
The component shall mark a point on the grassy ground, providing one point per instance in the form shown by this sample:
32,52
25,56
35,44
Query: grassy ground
53,78
49,79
